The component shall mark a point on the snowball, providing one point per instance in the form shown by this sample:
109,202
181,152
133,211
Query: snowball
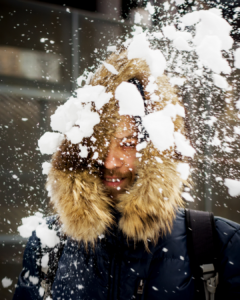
49,142
237,58
111,48
139,48
84,151
213,25
94,94
181,44
160,129
130,100
220,81
33,279
29,225
46,166
6,282
183,145
86,121
233,187
47,236
110,68
187,197
184,170
75,135
65,116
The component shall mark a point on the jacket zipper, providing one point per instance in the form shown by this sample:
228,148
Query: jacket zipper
140,288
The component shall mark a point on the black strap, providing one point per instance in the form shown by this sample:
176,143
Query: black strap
201,237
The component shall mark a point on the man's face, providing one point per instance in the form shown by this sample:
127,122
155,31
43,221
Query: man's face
120,163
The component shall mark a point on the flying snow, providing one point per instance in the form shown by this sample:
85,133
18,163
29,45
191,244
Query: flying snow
130,100
49,142
37,223
140,48
233,187
6,282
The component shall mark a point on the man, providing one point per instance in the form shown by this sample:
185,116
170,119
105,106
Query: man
125,236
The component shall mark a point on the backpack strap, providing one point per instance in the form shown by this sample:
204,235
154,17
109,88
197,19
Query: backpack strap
201,237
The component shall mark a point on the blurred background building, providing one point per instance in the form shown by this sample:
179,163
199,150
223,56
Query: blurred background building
44,47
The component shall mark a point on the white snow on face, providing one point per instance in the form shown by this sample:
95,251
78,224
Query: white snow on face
49,142
184,170
233,187
130,100
139,48
110,68
160,129
6,282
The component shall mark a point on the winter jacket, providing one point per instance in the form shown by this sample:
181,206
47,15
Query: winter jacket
114,269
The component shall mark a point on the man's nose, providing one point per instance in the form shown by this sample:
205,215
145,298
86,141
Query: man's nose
113,159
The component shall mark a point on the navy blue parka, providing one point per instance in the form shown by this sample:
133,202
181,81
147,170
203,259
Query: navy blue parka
114,269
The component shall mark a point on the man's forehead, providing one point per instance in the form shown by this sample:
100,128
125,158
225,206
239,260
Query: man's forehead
126,127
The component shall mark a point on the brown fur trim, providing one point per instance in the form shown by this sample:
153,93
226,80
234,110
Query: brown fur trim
148,209
81,203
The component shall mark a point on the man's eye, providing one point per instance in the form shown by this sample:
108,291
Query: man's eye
128,144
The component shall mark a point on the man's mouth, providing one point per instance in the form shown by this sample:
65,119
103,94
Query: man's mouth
113,181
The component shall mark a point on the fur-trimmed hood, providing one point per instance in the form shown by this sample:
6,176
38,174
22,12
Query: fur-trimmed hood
77,193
